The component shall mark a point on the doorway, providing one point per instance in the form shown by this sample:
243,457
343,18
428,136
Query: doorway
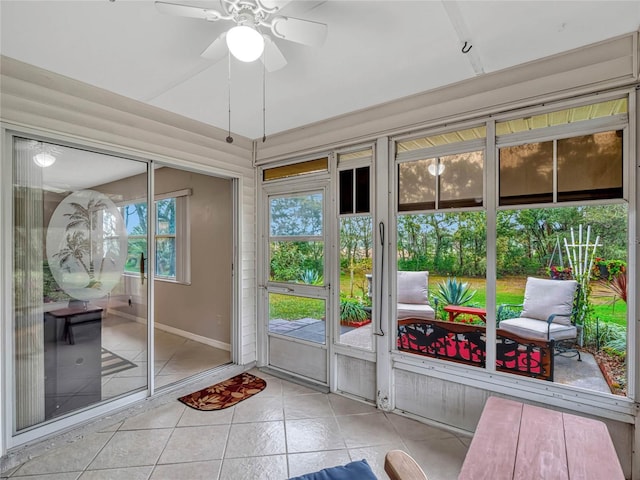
297,299
82,331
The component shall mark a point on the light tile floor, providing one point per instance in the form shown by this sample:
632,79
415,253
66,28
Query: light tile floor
176,357
284,431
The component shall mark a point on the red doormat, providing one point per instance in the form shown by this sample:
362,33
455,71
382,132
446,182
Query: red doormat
225,394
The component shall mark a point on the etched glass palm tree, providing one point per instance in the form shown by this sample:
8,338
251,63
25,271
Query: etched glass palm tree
80,246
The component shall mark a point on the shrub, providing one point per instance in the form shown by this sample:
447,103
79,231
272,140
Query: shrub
352,310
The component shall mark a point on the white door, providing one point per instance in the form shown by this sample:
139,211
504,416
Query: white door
295,277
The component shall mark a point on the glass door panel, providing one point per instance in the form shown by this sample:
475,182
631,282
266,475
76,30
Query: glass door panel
79,305
296,291
298,317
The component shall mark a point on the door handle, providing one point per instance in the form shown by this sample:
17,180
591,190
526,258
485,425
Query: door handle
142,259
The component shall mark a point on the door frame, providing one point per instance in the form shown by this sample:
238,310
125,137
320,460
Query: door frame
9,440
292,186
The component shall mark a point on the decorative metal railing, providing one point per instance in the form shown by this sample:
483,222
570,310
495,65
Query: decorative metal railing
464,343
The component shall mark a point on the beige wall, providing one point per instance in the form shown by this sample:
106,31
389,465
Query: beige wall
204,307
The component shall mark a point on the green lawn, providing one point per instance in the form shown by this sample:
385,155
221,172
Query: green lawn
509,290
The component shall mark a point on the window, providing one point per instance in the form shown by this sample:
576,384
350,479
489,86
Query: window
296,240
531,244
356,248
585,167
443,170
447,181
296,169
550,159
441,254
566,155
171,237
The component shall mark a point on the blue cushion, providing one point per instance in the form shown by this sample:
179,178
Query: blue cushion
359,470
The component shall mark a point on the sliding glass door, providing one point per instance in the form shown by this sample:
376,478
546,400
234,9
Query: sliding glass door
79,288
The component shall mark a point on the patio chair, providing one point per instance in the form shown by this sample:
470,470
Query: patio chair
547,314
413,296
400,465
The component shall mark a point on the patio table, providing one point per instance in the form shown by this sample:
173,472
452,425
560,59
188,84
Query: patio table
455,310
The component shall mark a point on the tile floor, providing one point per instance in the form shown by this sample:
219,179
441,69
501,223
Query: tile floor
284,431
176,357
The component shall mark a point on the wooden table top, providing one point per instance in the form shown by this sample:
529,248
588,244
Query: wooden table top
71,311
518,441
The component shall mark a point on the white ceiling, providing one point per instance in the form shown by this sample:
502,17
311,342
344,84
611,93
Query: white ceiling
376,51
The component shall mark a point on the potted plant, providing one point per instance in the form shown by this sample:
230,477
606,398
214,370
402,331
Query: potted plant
608,269
353,313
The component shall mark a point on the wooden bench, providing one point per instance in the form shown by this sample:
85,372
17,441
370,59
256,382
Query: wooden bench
464,343
518,441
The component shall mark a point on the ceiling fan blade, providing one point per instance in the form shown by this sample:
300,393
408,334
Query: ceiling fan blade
274,5
188,11
217,50
301,31
273,59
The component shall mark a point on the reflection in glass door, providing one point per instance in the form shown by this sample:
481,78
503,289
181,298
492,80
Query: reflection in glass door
79,305
296,287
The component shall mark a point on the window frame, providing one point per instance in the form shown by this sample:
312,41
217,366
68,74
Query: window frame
564,132
181,236
617,407
438,152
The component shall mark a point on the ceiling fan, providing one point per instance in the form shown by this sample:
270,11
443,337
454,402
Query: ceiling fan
247,40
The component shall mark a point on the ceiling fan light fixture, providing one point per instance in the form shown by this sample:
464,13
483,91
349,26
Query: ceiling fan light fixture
245,43
44,159
436,170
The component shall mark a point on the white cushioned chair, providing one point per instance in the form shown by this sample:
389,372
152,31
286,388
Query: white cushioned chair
546,312
413,296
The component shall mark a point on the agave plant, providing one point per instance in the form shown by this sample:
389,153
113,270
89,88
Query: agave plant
311,277
454,292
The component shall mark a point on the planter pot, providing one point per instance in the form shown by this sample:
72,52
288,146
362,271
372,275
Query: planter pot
604,272
347,323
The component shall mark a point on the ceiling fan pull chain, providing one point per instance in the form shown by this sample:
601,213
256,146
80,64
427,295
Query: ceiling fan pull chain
264,99
229,137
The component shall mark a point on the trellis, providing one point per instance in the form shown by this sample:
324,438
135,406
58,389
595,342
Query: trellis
581,255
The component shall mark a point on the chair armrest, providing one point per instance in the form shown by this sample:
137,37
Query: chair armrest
400,466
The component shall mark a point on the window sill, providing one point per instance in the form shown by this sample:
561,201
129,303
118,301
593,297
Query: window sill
158,279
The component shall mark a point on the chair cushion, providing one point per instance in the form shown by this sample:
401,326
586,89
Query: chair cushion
543,298
536,329
415,310
412,287
355,470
